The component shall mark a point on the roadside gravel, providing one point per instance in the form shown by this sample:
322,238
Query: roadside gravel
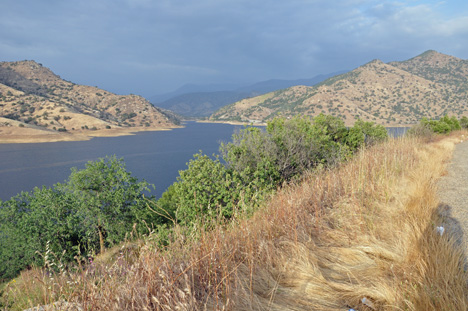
453,194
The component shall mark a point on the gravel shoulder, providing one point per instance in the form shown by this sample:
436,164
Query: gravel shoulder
453,193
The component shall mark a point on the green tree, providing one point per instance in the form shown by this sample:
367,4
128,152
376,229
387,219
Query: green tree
95,208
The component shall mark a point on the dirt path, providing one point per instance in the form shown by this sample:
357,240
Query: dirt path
453,194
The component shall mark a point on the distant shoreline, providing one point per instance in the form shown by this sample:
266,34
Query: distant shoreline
27,135
231,122
264,124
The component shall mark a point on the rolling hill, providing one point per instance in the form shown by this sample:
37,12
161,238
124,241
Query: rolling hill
35,99
394,94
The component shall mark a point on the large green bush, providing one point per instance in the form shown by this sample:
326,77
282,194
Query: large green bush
208,189
445,125
286,148
95,208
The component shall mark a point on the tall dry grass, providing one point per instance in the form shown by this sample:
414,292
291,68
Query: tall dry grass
361,235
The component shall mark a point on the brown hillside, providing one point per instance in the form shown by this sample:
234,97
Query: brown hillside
37,98
393,94
437,67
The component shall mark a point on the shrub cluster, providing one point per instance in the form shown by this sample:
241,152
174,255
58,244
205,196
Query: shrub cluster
95,208
258,161
444,125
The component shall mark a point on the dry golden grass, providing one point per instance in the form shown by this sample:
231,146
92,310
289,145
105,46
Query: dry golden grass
365,229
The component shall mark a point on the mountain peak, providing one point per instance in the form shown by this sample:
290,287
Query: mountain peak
432,56
375,61
428,53
431,84
437,67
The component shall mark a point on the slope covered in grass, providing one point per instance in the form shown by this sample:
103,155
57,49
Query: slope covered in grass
365,229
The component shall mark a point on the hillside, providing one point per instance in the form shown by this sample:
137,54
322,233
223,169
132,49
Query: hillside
398,93
202,103
36,102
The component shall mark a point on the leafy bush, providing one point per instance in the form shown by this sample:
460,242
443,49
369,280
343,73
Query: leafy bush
95,208
287,148
422,130
207,188
445,125
373,132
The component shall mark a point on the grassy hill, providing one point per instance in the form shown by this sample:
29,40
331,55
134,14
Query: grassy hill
40,100
398,93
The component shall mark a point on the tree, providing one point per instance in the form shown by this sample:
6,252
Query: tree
114,197
96,208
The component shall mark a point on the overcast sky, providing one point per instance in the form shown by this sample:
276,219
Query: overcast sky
149,47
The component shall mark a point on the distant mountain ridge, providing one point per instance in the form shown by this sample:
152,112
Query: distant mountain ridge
394,94
33,96
203,100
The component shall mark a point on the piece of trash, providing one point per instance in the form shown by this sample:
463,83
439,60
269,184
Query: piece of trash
351,310
368,303
440,230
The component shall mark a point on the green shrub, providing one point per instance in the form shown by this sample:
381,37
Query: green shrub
258,161
97,206
366,133
207,189
422,130
445,125
287,148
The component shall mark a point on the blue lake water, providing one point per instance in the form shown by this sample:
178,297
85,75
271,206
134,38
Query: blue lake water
156,157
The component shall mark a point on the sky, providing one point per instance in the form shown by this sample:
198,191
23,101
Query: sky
149,47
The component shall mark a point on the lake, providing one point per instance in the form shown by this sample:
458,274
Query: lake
156,157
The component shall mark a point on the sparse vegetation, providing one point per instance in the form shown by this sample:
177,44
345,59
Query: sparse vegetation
25,95
398,93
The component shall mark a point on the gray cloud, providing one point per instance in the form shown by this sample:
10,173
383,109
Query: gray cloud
148,46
